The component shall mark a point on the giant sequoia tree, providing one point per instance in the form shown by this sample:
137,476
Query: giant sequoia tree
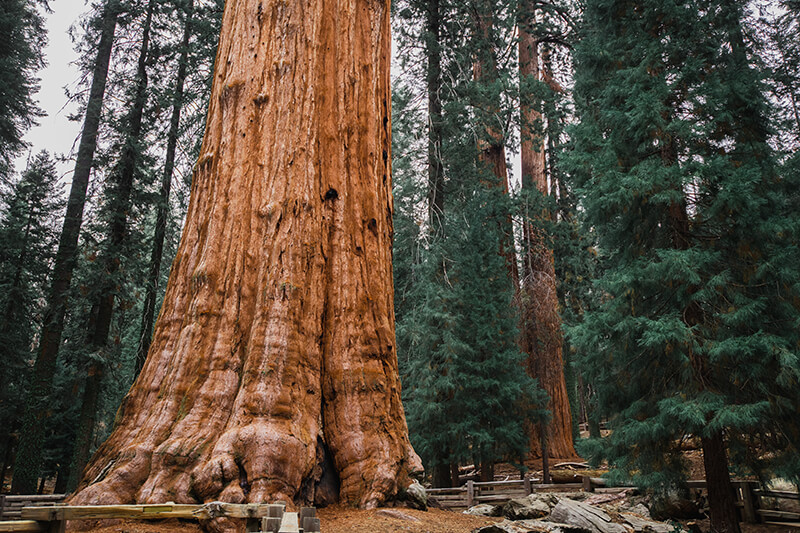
272,368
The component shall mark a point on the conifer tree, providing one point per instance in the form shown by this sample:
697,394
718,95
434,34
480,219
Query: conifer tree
24,38
27,247
28,460
677,177
115,211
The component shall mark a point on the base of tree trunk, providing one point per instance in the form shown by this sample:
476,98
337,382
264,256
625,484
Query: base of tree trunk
721,496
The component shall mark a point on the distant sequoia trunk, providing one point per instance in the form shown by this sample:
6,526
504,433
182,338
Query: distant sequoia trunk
273,372
541,324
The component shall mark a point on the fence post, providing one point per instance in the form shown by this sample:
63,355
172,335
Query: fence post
470,493
587,484
749,506
2,505
528,487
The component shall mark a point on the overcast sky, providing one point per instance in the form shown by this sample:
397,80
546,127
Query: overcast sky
55,133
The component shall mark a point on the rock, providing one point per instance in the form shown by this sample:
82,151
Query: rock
532,506
584,516
642,525
400,515
553,527
639,509
485,509
529,526
417,497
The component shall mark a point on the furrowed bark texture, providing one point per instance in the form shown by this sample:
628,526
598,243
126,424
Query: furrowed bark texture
541,324
274,351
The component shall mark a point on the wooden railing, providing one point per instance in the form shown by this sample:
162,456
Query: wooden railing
11,504
268,518
749,496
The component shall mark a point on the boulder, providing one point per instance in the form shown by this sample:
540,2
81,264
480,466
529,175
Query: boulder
485,509
530,507
416,496
585,516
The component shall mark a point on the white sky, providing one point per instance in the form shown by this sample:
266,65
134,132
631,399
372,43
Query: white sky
55,133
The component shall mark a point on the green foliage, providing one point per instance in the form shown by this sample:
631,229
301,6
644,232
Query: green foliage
696,331
27,246
24,36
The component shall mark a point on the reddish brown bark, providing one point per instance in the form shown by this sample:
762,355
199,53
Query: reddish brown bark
492,144
275,344
541,324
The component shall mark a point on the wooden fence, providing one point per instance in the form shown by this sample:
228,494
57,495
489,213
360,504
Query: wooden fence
752,501
268,518
11,504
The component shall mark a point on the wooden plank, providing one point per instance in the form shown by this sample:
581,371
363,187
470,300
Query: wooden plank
748,501
555,487
528,488
443,491
311,524
21,525
35,497
88,512
270,524
470,493
587,484
289,523
780,494
778,514
510,482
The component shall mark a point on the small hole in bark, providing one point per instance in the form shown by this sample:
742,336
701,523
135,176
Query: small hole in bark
385,155
372,225
332,194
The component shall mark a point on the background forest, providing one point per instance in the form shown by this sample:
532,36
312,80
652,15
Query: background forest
596,219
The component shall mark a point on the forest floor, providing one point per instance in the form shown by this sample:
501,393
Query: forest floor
339,519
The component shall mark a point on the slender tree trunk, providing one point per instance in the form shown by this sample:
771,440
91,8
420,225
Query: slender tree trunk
148,314
541,335
8,457
119,204
29,456
441,476
434,87
492,145
275,344
721,497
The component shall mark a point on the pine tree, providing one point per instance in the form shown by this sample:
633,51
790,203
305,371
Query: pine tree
28,461
24,38
693,336
116,214
27,248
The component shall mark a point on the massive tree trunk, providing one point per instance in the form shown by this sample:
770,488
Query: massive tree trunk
273,369
541,324
29,457
162,210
